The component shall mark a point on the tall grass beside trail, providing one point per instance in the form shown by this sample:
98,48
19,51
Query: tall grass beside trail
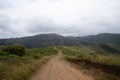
15,67
90,59
84,53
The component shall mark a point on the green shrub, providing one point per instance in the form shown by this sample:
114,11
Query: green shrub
109,48
2,53
16,50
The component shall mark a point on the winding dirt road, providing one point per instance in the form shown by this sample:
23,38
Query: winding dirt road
57,69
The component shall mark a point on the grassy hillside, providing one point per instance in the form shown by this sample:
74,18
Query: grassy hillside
105,38
92,59
87,54
15,67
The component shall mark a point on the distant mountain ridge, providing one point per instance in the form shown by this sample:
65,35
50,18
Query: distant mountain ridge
44,40
105,38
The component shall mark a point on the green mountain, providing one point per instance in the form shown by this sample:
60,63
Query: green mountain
105,38
42,40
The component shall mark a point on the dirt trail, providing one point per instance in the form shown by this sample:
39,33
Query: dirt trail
57,69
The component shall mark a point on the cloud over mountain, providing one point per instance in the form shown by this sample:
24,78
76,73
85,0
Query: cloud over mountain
67,17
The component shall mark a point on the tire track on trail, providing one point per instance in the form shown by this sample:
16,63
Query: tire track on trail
57,69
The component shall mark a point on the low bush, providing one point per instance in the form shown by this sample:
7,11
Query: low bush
18,50
3,53
108,48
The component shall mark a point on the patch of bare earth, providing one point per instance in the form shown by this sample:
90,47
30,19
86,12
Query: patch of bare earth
94,70
57,69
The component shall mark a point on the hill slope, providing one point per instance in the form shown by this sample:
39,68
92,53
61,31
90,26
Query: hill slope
105,38
42,40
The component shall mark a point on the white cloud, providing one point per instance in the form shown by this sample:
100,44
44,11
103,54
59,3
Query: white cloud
70,17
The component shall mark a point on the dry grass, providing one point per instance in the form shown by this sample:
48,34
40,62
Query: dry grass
13,67
92,55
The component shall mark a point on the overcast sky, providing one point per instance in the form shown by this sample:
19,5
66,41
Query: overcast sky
67,17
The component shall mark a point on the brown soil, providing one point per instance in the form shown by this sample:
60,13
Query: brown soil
58,69
97,70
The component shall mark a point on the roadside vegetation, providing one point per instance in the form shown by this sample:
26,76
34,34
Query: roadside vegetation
92,57
85,53
18,62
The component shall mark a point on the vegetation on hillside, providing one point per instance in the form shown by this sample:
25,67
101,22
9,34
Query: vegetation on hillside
92,55
46,40
18,50
18,63
89,57
104,38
